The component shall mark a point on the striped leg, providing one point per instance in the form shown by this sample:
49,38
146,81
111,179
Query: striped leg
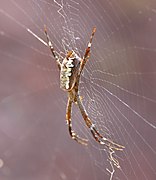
87,52
52,48
69,123
97,136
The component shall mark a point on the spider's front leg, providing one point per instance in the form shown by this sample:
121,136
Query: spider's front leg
87,52
69,123
52,48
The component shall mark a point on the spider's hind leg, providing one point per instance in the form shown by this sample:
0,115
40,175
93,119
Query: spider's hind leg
105,141
97,136
69,123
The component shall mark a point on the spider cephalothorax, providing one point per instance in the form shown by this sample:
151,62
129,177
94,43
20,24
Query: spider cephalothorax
70,71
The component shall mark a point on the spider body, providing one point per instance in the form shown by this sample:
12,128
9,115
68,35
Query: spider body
69,71
71,68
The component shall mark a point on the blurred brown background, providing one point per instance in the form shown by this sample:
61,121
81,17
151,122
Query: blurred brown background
34,141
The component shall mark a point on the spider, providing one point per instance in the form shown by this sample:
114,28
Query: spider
71,68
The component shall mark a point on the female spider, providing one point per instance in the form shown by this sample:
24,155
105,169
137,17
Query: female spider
70,71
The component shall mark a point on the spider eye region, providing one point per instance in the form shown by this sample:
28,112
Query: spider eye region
69,54
69,71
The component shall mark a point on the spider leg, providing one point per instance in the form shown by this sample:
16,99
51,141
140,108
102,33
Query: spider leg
69,123
52,48
87,52
105,141
97,136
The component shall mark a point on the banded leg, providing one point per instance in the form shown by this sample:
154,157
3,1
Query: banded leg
97,136
69,123
87,52
52,48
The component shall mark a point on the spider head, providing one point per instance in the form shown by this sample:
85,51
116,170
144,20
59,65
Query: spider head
72,55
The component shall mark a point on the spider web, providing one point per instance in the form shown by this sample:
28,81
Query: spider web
118,89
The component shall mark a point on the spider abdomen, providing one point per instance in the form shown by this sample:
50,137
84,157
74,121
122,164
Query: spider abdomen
69,71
